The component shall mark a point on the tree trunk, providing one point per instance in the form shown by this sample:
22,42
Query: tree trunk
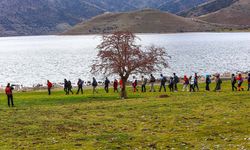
123,90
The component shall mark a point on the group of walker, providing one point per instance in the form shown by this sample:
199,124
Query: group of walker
191,82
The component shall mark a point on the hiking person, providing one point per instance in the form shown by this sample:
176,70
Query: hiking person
49,85
8,92
134,84
176,81
121,84
163,83
185,84
94,85
70,87
191,79
115,85
208,81
66,87
196,84
233,82
80,85
240,82
248,80
152,82
171,84
218,82
144,83
106,85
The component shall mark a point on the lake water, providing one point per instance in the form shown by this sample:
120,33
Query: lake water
34,59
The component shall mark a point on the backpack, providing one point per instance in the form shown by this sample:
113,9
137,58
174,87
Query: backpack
8,90
177,80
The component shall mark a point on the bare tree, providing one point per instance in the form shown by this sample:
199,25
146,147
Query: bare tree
119,55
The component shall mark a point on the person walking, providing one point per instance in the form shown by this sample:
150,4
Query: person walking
233,82
218,82
115,85
70,87
66,87
185,84
80,86
176,81
171,84
49,85
8,92
144,83
94,85
152,82
121,84
240,82
134,84
163,83
248,80
106,85
191,79
208,82
196,84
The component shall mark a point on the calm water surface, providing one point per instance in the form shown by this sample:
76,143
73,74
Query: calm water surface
34,59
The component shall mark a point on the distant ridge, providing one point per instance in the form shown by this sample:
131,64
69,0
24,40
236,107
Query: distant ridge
236,14
143,21
177,6
206,8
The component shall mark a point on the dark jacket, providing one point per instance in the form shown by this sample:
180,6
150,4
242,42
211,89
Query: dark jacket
94,83
208,80
80,83
107,82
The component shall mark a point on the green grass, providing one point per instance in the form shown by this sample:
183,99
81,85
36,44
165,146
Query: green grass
202,120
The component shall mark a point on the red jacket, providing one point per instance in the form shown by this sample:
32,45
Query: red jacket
121,83
186,81
8,90
115,84
49,85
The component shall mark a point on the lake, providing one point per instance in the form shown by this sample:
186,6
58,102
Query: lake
34,59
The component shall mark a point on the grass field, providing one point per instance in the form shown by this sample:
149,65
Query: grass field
202,120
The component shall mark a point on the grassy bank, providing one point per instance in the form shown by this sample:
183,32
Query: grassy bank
202,120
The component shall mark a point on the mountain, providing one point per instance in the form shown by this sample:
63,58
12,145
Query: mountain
35,17
112,5
236,14
40,17
143,21
140,4
177,6
206,8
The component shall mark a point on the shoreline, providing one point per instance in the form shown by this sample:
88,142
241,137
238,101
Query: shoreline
139,33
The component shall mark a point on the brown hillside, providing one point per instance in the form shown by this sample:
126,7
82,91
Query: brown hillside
236,14
143,21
